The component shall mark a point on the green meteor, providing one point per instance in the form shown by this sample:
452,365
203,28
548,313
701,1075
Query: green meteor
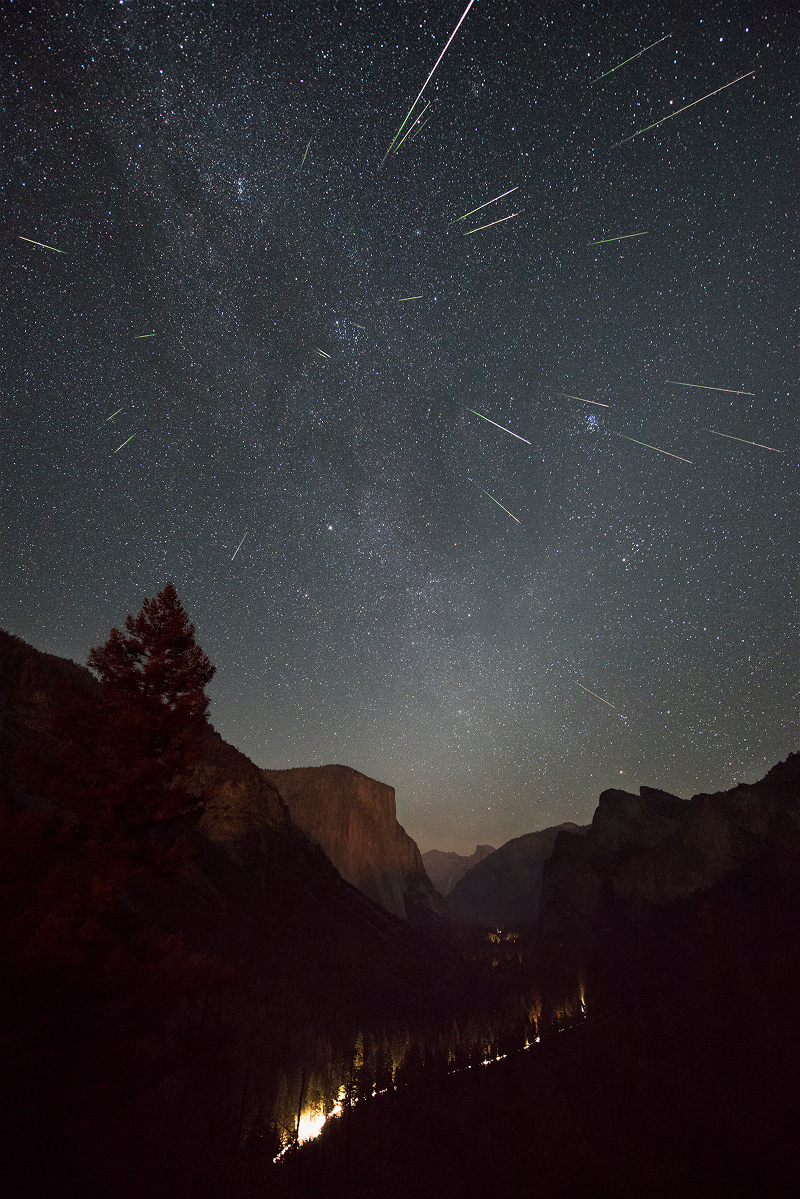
119,447
744,442
705,387
364,327
113,414
42,244
427,81
304,156
419,118
402,299
499,505
486,205
627,60
621,237
652,447
670,115
322,352
494,422
139,336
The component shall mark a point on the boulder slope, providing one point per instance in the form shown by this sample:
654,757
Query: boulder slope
353,819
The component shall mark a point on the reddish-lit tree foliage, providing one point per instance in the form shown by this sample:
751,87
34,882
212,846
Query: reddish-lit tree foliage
117,781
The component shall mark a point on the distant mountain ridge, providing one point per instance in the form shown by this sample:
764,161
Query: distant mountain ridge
445,869
504,888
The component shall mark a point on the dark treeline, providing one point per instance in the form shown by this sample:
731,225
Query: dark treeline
680,1079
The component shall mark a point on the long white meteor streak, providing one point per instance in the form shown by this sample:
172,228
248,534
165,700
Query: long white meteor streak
427,81
652,447
494,422
744,442
239,546
706,387
411,127
670,115
502,218
582,400
594,693
486,205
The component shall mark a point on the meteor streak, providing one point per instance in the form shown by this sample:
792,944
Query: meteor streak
622,64
732,438
502,218
583,401
364,327
486,205
322,352
119,447
705,387
594,693
494,422
419,118
680,110
402,299
41,243
113,414
499,505
239,546
139,336
621,237
304,158
427,81
652,447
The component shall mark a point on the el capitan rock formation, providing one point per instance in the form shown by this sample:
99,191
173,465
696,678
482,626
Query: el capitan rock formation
353,819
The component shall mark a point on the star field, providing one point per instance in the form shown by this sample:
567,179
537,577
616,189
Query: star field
230,296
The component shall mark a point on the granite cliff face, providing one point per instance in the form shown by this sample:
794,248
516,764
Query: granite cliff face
654,848
353,819
446,869
504,888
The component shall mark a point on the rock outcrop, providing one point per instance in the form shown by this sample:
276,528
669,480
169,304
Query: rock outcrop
504,888
445,869
655,848
353,819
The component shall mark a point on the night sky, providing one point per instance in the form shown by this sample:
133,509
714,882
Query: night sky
232,287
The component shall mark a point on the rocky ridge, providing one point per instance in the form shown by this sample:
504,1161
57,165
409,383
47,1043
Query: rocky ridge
445,869
354,821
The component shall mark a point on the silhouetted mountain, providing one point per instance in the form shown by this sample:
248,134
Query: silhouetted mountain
353,819
446,869
504,888
655,848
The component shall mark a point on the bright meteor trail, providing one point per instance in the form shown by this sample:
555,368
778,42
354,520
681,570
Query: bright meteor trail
744,442
621,237
139,336
427,81
113,414
494,422
705,387
41,243
652,447
502,218
594,693
583,401
486,205
499,505
622,64
402,299
239,546
680,110
119,447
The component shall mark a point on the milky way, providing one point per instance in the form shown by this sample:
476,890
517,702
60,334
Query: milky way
233,295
